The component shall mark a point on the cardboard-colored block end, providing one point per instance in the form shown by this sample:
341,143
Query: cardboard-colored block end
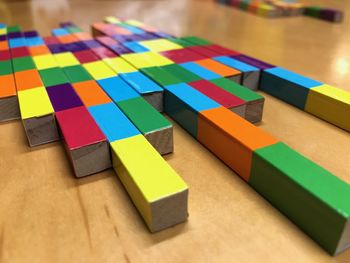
41,130
162,140
254,111
240,110
9,109
90,159
155,99
344,242
236,78
251,79
169,211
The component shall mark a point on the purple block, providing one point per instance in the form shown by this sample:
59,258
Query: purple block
331,15
32,33
63,97
66,24
253,62
74,47
91,43
119,49
3,38
14,35
120,38
56,48
161,34
148,36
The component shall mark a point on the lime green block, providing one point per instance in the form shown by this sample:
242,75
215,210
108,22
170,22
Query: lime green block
77,74
53,76
181,73
11,29
23,63
160,76
310,196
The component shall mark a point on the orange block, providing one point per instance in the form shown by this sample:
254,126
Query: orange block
28,79
218,68
82,36
8,87
38,50
4,45
231,138
91,93
66,39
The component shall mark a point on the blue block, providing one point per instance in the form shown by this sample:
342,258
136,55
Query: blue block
2,25
59,32
200,71
34,41
141,83
117,89
135,46
17,42
112,121
287,86
183,103
234,63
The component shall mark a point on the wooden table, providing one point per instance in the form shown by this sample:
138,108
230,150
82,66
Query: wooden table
46,215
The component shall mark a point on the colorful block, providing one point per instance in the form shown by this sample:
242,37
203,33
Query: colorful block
66,59
53,77
91,93
200,71
99,70
45,61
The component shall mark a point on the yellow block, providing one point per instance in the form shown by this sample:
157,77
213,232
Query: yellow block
330,104
160,45
156,189
119,65
3,31
99,70
66,59
133,22
111,20
146,59
45,61
34,103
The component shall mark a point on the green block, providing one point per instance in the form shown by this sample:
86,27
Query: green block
77,74
241,92
181,42
11,29
314,11
143,115
310,196
181,73
53,76
23,63
160,76
196,40
5,67
73,29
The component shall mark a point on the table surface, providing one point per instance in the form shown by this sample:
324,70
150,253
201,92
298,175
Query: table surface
46,215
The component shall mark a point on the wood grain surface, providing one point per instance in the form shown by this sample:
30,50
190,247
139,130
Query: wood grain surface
46,215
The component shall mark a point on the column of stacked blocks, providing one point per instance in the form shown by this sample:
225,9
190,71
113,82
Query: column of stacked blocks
310,196
159,57
9,109
155,127
156,190
36,110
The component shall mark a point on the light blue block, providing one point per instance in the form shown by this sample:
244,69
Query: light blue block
236,64
293,77
112,121
34,41
200,71
141,83
59,32
135,46
133,29
117,89
17,42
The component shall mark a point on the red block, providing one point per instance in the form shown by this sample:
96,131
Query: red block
222,50
20,52
182,55
204,51
85,56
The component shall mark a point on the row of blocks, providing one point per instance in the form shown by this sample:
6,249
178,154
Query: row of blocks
295,185
280,8
256,156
